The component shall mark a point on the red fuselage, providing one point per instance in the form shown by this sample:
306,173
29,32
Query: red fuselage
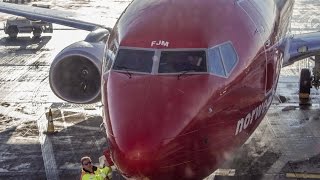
172,124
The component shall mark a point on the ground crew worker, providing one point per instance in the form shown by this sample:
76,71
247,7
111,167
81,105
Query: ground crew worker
91,172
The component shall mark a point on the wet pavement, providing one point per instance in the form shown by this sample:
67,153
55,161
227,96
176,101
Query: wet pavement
26,152
287,141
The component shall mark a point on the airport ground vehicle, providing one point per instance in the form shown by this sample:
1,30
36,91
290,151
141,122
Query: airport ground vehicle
17,25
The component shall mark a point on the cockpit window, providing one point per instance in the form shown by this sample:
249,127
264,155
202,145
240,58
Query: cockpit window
229,56
179,61
222,59
134,60
215,62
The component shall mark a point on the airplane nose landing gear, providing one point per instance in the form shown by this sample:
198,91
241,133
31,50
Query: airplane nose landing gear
305,86
307,81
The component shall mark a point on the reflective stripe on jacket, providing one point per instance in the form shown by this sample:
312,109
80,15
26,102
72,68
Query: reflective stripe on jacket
98,174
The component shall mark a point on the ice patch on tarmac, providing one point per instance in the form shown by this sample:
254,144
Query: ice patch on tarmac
3,170
22,166
68,165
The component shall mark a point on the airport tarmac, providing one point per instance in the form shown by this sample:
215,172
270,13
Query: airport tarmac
287,142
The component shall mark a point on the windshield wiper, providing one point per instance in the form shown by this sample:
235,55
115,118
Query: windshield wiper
183,73
126,69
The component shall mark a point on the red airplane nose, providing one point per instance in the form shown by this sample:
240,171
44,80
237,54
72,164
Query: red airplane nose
136,163
146,112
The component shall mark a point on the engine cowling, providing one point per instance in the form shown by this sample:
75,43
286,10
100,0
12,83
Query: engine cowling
75,73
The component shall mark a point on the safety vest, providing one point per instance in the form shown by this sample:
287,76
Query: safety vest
98,174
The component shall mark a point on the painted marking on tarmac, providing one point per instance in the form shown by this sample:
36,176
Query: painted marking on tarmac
46,149
222,173
303,175
225,172
65,127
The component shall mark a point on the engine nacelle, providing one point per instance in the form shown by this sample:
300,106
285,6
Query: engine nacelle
75,73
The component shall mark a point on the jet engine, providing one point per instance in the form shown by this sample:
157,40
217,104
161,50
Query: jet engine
75,72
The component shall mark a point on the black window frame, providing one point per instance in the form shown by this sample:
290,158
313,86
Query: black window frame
131,70
184,50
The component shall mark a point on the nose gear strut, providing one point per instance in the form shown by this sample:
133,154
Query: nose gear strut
307,81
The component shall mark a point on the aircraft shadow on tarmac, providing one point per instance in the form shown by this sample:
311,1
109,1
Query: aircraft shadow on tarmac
26,45
251,161
249,167
19,161
25,160
310,165
69,144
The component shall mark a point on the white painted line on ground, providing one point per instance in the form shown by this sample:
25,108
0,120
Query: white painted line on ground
47,151
225,172
221,173
65,127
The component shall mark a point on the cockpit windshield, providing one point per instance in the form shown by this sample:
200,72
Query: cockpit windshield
134,60
219,60
182,61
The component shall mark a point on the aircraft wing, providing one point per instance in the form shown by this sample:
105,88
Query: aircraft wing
48,15
298,47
